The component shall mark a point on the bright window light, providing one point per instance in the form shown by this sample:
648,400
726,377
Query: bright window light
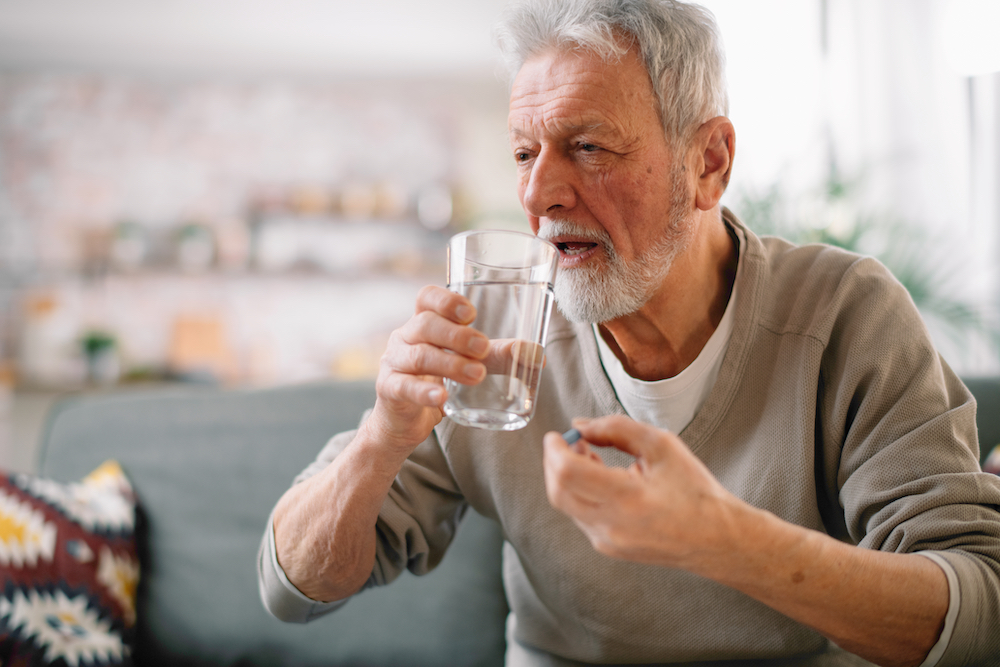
972,36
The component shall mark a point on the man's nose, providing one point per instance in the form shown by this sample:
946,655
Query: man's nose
550,185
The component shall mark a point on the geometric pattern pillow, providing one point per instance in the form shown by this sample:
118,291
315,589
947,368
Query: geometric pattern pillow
68,570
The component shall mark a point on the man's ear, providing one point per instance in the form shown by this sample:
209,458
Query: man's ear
715,147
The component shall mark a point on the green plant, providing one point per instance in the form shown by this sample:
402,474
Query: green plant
923,263
95,342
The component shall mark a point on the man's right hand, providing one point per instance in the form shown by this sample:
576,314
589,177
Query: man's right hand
436,343
326,548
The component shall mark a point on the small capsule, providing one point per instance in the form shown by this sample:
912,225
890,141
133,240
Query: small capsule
571,436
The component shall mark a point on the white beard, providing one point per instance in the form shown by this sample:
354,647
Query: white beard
604,291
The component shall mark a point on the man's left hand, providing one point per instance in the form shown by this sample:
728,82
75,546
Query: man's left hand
665,509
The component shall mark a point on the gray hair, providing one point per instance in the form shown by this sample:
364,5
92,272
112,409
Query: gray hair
679,43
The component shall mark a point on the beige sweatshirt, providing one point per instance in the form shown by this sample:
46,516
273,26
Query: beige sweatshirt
832,410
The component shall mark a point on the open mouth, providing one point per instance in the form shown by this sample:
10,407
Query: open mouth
574,248
576,243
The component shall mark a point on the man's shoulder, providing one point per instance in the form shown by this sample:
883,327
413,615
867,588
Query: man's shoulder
814,266
807,288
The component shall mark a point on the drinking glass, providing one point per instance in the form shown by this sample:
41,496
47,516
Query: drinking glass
508,276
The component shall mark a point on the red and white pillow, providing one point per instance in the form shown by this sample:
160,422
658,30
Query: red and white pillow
68,569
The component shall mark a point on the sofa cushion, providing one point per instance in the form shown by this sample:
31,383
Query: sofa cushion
68,569
987,393
208,466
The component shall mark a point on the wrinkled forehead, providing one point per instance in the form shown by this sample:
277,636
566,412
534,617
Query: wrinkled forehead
580,88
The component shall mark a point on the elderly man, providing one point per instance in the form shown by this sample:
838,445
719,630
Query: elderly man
775,463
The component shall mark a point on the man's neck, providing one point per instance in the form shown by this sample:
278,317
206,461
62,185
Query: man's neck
666,335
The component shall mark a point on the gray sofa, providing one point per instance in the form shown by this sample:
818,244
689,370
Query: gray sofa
987,393
208,466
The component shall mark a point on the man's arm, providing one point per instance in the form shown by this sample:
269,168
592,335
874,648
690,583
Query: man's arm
324,527
668,509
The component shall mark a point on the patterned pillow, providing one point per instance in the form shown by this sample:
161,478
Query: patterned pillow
68,570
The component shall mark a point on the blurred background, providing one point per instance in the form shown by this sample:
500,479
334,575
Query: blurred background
251,193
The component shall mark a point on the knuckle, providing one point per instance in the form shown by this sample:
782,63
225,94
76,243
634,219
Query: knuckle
385,369
412,325
421,358
401,389
401,338
387,385
418,330
408,390
390,357
395,340
433,298
421,323
415,355
426,294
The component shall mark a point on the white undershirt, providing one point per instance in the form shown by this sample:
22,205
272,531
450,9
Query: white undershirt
672,403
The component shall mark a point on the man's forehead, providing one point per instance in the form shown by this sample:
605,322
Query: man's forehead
560,117
572,92
518,127
569,75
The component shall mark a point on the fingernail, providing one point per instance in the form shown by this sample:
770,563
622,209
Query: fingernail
464,313
473,371
436,395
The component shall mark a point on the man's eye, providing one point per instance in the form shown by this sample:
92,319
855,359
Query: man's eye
589,148
521,156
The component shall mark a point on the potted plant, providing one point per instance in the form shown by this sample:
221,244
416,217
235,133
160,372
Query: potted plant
100,351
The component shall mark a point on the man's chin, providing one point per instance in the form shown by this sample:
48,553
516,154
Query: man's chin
570,311
588,301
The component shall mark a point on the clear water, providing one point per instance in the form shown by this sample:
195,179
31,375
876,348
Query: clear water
494,420
505,399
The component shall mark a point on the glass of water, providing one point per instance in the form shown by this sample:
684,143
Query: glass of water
508,277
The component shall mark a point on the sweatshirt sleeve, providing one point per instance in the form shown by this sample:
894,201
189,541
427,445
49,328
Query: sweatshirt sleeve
280,596
416,523
901,438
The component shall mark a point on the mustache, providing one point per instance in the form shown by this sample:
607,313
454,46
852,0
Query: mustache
556,228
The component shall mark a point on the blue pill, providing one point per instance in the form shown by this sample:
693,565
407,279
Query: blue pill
571,436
